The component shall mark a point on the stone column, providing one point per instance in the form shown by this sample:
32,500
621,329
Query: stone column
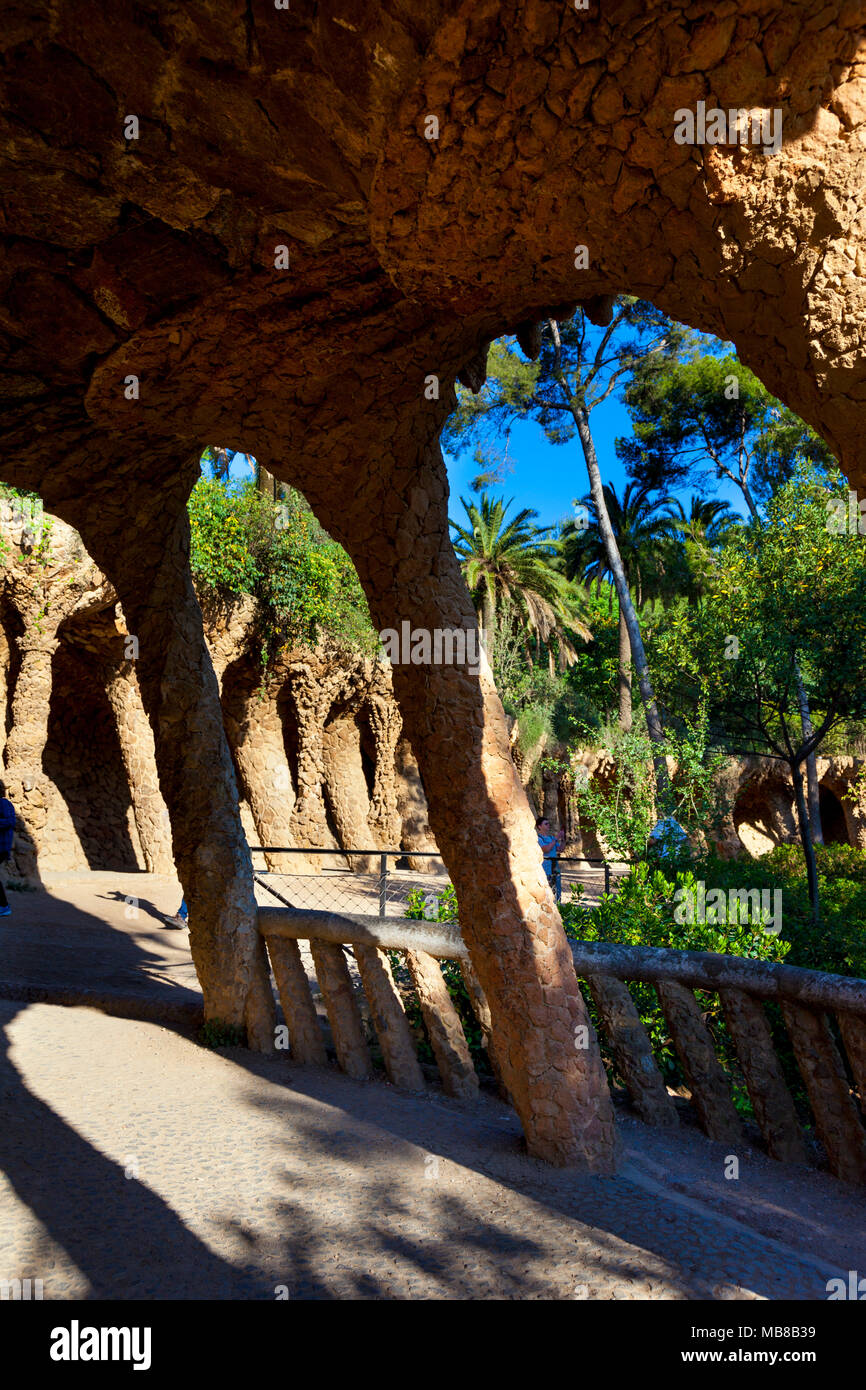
26,785
311,704
348,795
390,510
386,724
255,733
412,809
135,737
137,531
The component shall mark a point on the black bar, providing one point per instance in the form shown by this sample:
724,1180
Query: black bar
383,884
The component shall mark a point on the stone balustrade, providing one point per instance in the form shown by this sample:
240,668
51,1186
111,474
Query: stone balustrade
825,1017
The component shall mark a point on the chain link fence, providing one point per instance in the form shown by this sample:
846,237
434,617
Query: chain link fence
386,883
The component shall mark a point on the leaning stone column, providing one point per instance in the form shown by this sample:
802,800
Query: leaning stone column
26,784
386,724
255,732
135,737
138,533
311,704
348,796
394,524
415,831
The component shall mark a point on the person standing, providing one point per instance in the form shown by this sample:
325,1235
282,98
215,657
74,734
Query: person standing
7,835
550,847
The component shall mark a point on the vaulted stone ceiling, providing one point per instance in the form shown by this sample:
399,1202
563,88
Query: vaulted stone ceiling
158,258
260,127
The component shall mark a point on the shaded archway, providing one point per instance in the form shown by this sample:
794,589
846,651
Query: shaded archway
148,311
833,820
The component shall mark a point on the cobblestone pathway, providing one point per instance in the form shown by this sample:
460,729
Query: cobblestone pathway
138,1165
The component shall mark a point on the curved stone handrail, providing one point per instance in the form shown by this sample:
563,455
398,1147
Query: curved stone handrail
709,970
439,939
742,986
695,969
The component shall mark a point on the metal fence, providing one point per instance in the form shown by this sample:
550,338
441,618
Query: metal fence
381,882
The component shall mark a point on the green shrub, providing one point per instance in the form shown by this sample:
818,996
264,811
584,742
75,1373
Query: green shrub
214,1033
438,907
242,542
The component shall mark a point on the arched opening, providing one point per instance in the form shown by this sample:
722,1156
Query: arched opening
833,819
764,816
83,760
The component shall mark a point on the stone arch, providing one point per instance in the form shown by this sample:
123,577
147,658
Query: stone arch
833,819
90,822
407,256
764,814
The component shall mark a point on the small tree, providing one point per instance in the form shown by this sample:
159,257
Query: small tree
706,414
788,605
625,809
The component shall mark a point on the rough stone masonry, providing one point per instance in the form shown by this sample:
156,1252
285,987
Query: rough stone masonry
283,247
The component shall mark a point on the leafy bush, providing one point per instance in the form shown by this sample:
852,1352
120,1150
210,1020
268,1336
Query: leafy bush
214,1033
438,907
242,542
625,810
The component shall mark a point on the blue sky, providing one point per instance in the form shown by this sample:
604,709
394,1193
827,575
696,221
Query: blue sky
549,477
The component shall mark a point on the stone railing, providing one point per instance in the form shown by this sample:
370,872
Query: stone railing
805,998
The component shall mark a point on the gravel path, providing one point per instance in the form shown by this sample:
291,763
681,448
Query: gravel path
139,1165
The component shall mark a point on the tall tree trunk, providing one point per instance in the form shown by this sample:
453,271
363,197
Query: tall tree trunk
812,785
805,715
806,841
488,623
624,674
626,606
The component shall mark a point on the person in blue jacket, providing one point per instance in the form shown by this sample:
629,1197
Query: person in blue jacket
7,834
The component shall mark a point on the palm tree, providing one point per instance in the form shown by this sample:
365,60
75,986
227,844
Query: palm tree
708,521
639,528
511,562
700,531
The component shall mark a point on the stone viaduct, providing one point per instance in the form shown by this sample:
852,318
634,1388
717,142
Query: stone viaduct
270,227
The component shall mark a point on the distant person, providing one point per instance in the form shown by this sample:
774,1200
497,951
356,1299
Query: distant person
667,838
180,917
7,835
550,845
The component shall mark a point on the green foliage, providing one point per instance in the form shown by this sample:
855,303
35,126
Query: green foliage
640,529
625,809
438,907
306,586
28,508
705,414
642,913
792,593
214,1033
509,563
